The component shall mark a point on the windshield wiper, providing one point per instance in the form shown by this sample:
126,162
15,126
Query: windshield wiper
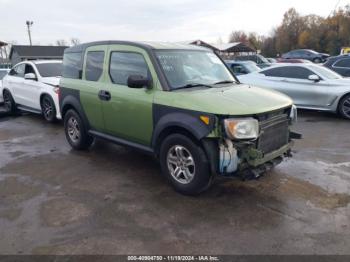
193,85
224,82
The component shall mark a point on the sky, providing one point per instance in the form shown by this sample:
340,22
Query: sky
147,20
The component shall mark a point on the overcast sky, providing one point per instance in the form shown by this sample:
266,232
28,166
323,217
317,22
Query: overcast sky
167,20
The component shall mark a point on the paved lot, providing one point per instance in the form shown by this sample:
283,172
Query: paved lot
112,200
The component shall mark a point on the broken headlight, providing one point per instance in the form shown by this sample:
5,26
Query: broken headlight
242,128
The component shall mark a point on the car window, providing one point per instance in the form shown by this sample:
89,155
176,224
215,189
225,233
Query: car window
50,69
238,69
288,72
72,65
124,64
18,71
342,63
94,65
29,69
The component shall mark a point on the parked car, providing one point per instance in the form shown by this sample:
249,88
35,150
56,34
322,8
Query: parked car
310,86
345,51
179,103
306,54
33,86
339,64
271,60
297,61
261,61
242,67
3,73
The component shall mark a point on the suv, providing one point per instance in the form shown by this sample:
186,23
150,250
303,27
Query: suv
260,60
179,103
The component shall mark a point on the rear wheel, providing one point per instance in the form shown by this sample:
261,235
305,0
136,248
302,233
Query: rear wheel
184,164
9,102
344,107
48,108
76,132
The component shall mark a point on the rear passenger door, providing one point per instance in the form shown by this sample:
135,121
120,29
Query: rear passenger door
128,112
93,80
15,81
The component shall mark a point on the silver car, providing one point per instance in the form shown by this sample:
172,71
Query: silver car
310,86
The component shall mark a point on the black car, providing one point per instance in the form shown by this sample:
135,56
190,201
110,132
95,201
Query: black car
260,61
307,54
339,64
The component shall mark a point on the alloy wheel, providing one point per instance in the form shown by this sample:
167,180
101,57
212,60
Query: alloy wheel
181,164
73,129
7,101
346,107
47,108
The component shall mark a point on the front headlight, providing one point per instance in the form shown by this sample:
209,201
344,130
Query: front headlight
242,128
293,116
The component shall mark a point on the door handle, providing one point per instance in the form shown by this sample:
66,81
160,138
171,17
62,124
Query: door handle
104,95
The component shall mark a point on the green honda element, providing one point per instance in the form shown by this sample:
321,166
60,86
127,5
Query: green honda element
179,103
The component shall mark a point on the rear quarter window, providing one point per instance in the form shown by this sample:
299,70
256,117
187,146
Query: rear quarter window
72,65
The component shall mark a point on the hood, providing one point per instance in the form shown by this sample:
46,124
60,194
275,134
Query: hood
232,100
51,80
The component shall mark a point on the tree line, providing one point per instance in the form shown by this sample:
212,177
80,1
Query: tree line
323,34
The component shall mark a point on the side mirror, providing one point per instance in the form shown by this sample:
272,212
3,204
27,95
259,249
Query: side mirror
139,81
30,76
314,78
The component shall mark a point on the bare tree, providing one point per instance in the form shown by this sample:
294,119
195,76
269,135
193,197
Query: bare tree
74,41
61,42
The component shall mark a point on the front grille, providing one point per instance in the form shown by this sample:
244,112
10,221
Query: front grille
274,133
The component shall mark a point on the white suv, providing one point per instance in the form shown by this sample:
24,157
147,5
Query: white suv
33,86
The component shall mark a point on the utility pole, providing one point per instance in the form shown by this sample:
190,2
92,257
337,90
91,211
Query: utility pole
29,24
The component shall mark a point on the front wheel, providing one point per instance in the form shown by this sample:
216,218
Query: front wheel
48,108
76,132
9,102
344,107
184,164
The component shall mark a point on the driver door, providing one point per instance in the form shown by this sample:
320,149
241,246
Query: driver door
128,111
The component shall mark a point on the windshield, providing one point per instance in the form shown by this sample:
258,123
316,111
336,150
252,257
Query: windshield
2,74
325,72
187,67
49,69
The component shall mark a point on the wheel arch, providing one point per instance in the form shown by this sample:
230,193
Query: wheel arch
340,99
71,102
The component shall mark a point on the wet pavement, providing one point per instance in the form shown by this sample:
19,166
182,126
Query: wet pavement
113,200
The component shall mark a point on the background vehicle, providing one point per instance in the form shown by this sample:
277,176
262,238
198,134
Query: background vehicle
296,61
339,64
3,73
173,101
271,60
307,54
310,86
242,67
33,86
345,50
261,61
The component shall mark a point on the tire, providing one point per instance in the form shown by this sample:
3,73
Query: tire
344,107
48,108
76,132
191,178
9,103
317,60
